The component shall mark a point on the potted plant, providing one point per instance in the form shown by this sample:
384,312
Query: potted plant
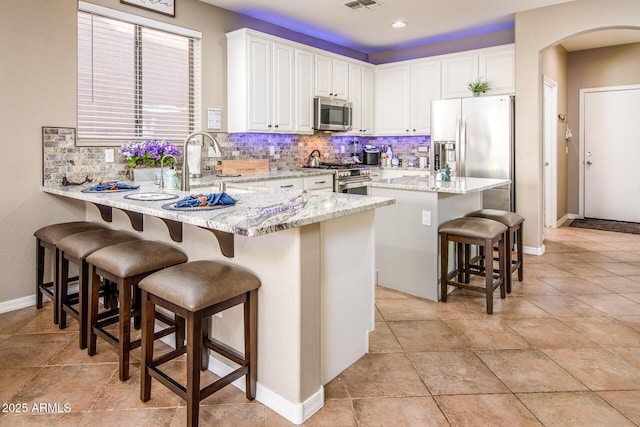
479,86
145,158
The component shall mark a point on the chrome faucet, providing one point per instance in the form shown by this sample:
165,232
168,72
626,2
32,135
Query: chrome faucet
185,165
162,167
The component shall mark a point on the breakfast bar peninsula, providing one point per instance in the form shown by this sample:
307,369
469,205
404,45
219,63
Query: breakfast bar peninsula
312,251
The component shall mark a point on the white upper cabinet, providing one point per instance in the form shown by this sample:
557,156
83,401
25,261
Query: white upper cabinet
499,67
496,65
361,96
403,97
261,84
457,72
304,91
393,99
425,87
332,77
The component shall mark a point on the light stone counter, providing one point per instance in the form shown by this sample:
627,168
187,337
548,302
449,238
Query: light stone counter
458,185
314,254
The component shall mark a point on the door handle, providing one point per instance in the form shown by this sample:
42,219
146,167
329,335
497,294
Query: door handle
589,162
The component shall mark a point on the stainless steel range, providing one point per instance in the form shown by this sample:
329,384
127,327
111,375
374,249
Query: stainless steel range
348,178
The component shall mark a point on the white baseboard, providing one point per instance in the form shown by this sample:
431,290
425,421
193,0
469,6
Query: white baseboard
296,413
575,216
562,221
532,250
18,303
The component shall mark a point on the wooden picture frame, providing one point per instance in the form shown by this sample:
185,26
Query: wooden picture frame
165,7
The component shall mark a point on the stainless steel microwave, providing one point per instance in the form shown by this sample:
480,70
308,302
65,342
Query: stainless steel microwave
331,114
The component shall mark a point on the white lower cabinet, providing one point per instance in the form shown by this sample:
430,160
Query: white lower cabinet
311,183
319,183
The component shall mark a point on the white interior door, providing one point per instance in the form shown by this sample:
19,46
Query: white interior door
612,154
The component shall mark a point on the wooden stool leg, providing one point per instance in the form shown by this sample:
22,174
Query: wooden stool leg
56,289
148,316
39,272
83,300
507,258
206,326
194,361
180,330
444,265
467,258
94,291
503,271
63,290
124,323
488,278
520,252
251,342
460,262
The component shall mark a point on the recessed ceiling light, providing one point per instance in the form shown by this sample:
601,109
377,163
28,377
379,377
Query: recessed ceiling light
399,24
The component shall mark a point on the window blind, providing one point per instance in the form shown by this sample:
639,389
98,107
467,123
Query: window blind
135,82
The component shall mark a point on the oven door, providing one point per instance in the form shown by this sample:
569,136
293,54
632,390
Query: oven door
356,185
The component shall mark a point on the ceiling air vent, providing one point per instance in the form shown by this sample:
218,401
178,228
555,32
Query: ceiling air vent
363,3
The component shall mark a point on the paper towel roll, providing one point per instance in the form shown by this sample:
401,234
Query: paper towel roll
194,158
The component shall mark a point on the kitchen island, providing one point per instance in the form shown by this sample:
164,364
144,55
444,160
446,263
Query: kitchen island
314,254
407,257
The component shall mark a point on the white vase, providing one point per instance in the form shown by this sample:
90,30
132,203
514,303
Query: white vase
146,174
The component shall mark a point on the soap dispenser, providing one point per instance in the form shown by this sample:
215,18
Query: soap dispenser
171,178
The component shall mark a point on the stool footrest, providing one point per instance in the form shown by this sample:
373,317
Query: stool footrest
226,380
225,350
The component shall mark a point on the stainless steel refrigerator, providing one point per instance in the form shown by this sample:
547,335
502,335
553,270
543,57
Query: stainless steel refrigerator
475,136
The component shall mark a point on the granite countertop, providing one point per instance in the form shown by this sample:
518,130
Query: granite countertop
258,211
427,183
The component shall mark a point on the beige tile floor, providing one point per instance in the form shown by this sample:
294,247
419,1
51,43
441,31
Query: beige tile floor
562,350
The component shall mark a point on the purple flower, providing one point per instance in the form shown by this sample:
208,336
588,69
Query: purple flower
149,152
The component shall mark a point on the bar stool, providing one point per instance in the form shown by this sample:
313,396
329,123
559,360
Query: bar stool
76,248
195,291
46,239
467,231
126,264
514,223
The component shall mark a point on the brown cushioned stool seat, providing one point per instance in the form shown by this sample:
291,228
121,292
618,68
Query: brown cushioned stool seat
514,223
76,248
467,231
126,264
195,291
46,238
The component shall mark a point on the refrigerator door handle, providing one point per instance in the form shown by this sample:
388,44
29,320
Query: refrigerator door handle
461,142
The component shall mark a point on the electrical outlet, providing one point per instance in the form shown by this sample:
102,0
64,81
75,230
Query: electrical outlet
272,150
426,217
342,149
108,155
235,153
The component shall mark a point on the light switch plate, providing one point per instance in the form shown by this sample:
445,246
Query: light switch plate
108,155
426,217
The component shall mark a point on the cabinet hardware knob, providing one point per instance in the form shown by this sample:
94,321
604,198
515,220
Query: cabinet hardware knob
276,126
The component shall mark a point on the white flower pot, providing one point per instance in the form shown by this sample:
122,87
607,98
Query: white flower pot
146,174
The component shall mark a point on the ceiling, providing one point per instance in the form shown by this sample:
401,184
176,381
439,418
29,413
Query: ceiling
367,27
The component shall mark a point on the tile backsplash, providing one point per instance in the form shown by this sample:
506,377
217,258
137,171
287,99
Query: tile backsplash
63,158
